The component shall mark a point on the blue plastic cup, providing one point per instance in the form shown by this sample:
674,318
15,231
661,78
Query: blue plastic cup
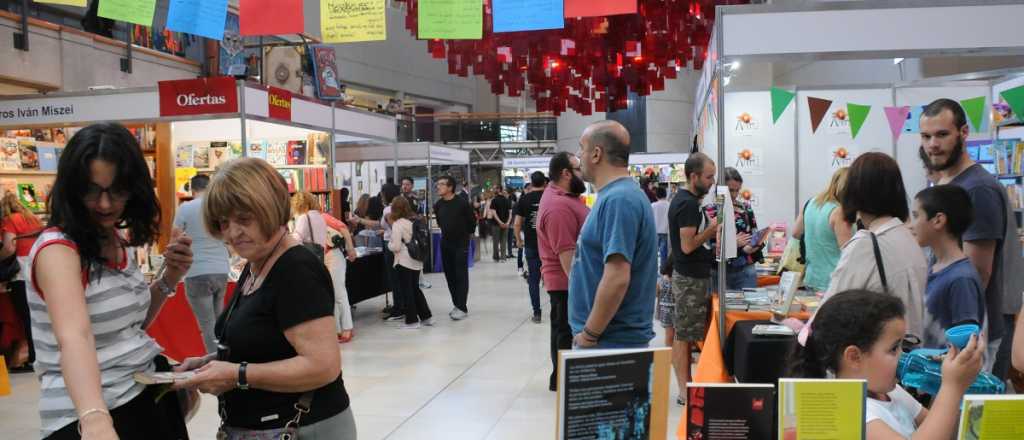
960,335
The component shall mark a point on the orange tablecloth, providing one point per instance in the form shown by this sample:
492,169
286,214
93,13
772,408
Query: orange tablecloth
176,328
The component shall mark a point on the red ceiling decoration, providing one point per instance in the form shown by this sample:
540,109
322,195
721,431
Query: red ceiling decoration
590,65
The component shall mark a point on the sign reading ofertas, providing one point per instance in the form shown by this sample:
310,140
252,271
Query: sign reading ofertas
198,96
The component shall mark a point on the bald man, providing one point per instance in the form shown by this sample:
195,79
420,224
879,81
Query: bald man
612,284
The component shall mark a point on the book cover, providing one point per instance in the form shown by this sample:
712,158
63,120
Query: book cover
992,417
277,153
219,153
29,154
235,148
28,197
47,156
201,156
290,178
183,158
258,149
296,152
320,153
10,155
8,186
42,134
720,411
1018,168
811,409
325,72
613,394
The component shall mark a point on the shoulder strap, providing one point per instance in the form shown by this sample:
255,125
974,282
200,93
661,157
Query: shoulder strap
878,262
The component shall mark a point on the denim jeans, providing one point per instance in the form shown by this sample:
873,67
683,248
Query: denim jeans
745,278
663,247
205,293
337,265
533,279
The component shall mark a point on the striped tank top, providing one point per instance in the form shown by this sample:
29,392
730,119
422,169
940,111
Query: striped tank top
118,300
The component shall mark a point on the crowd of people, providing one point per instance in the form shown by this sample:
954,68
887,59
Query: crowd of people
886,271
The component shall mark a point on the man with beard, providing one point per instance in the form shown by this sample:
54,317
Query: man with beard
990,242
690,235
612,285
560,217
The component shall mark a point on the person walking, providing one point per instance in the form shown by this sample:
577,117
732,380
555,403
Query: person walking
417,312
207,281
502,212
613,282
560,218
526,236
455,217
660,208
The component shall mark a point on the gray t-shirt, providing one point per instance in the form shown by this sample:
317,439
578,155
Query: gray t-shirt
209,255
989,200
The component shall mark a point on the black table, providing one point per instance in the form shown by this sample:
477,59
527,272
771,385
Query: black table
364,278
756,358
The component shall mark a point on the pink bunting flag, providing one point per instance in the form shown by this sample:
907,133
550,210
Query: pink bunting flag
897,117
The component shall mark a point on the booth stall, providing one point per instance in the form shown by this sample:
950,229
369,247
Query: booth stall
787,139
185,128
516,171
365,166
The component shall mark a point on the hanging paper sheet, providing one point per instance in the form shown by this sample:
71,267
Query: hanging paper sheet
131,11
270,17
204,18
348,21
451,19
527,15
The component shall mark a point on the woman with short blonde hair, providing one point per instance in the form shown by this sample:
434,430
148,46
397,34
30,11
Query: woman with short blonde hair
281,318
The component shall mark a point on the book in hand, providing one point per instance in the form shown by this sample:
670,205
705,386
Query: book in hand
621,394
726,411
822,409
163,377
992,417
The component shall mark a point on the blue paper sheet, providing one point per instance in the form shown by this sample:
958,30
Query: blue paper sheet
204,18
527,15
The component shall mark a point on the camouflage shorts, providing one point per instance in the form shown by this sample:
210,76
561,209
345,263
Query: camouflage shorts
693,302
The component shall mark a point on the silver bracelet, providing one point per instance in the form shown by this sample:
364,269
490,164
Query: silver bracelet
165,288
88,413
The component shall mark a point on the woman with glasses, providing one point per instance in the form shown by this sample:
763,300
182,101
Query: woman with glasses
89,302
740,272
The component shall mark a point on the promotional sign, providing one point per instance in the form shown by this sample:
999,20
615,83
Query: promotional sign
198,96
280,101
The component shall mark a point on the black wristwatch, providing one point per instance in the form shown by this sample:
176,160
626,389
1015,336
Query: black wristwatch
243,384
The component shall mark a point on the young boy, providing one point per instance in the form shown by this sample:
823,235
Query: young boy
954,295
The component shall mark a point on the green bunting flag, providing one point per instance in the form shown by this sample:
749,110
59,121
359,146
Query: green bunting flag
975,109
1015,98
858,114
780,100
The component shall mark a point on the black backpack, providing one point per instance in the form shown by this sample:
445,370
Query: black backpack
419,245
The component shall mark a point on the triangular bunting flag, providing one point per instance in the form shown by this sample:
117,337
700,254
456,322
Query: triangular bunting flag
1015,98
818,107
780,100
975,109
897,117
858,114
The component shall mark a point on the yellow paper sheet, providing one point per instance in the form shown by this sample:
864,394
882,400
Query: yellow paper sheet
347,21
79,3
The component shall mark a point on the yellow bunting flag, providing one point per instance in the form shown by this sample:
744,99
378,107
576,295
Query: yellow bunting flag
348,21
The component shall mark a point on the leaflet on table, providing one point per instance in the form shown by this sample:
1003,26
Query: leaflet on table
613,394
817,409
992,417
729,411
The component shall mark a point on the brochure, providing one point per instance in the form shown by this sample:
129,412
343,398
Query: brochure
821,409
992,417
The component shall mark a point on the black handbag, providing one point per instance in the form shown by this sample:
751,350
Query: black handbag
312,245
9,269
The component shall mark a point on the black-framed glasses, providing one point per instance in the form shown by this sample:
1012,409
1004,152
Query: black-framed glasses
94,192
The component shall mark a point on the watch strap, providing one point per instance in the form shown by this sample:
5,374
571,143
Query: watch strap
243,383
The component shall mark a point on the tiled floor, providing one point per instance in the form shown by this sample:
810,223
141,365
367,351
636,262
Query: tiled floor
482,378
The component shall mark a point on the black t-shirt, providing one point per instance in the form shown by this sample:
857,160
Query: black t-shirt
502,207
297,289
456,219
413,202
527,209
685,212
375,209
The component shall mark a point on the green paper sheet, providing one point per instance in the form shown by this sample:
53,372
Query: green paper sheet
780,100
131,11
975,109
858,114
451,19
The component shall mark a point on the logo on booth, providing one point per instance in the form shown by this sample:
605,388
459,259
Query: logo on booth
747,123
198,96
841,157
280,101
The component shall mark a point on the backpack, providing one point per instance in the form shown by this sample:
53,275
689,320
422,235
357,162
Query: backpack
419,245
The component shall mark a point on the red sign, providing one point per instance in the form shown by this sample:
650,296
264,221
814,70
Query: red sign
198,96
280,104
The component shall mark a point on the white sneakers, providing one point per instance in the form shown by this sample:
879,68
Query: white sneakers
457,315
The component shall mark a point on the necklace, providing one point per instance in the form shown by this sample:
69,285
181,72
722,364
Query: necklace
255,280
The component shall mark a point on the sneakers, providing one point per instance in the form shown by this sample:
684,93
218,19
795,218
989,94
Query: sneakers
429,322
393,318
536,317
457,315
412,326
424,284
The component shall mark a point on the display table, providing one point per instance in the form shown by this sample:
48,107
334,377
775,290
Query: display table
711,366
436,242
365,278
176,328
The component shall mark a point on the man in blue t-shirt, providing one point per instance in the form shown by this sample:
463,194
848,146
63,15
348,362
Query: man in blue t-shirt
954,296
612,286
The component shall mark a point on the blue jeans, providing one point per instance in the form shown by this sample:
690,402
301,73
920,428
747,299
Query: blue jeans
663,247
533,279
745,278
205,293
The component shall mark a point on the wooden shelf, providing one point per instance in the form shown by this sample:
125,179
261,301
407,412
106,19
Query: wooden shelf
27,173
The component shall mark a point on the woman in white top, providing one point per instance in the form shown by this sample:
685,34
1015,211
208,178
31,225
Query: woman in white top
875,198
416,309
